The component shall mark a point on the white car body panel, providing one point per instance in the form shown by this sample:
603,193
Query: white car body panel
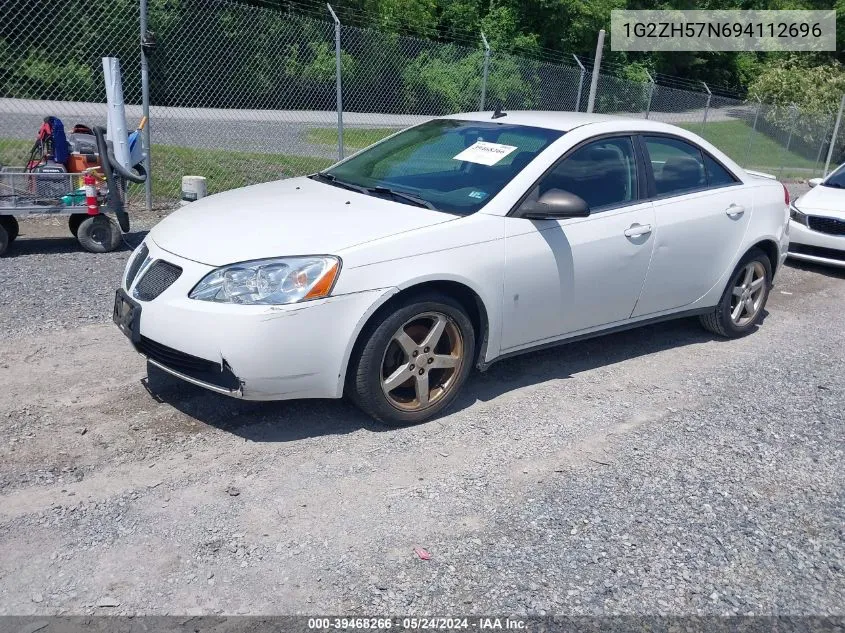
537,282
266,220
826,202
693,238
567,275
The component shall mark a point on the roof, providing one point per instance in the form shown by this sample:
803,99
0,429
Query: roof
555,120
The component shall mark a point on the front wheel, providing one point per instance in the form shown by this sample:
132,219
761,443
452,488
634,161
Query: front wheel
741,307
10,223
415,361
98,234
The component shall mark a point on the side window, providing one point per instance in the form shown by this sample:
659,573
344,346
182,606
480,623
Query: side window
603,173
717,176
678,166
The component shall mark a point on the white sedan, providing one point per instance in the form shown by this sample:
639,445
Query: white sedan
448,246
817,221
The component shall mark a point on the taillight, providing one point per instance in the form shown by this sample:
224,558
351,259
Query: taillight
785,194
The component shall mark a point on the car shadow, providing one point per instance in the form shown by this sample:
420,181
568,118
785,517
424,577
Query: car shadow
24,246
292,420
812,267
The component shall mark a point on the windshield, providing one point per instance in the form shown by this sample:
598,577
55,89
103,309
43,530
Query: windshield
836,179
447,165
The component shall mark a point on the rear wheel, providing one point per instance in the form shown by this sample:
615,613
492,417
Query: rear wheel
741,307
10,223
415,361
98,234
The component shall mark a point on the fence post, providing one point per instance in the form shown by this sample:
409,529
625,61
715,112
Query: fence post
753,130
834,135
707,105
338,83
580,83
486,70
591,101
793,110
821,144
650,93
145,106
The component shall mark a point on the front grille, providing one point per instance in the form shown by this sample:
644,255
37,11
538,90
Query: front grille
135,266
158,278
199,368
831,226
817,251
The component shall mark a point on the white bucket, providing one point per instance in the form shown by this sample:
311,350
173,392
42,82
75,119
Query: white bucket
193,188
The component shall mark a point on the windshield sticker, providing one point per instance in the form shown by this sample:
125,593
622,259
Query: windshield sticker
485,153
478,195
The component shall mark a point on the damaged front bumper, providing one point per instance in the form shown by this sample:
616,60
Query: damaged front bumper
254,352
217,377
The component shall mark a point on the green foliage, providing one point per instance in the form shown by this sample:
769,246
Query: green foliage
814,90
442,80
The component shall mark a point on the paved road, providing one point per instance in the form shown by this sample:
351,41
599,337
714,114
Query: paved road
659,470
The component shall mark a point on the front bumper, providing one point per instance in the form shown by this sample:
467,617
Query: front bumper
808,245
251,352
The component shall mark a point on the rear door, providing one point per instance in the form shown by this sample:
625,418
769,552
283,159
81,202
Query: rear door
562,276
701,214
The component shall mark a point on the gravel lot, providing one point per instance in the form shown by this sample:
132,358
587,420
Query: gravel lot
658,470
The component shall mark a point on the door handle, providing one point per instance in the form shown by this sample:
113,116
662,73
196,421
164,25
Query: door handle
635,230
734,211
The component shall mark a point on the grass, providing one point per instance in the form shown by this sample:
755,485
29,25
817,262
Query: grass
353,138
766,154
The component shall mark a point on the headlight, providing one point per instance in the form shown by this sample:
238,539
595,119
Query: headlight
798,216
270,281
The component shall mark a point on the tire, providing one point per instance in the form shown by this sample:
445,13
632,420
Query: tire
722,320
10,223
4,240
75,220
379,356
98,234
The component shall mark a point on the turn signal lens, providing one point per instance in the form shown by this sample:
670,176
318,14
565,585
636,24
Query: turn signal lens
324,286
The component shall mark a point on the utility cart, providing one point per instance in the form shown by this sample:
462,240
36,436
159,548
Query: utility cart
91,199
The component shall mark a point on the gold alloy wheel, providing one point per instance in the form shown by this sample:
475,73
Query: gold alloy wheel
422,361
747,295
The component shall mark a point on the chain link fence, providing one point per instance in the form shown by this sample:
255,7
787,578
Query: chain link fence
243,94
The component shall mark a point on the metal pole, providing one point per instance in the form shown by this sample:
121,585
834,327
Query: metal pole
591,102
486,69
834,135
821,145
794,111
751,137
650,93
145,107
580,83
338,83
707,105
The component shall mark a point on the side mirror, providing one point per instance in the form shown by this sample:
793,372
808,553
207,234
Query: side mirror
556,204
814,181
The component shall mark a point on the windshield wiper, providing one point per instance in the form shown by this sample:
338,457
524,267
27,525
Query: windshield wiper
407,197
332,180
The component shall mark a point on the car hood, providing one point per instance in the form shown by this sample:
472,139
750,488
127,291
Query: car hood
298,216
827,201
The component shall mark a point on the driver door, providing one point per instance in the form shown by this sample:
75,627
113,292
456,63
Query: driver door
566,276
